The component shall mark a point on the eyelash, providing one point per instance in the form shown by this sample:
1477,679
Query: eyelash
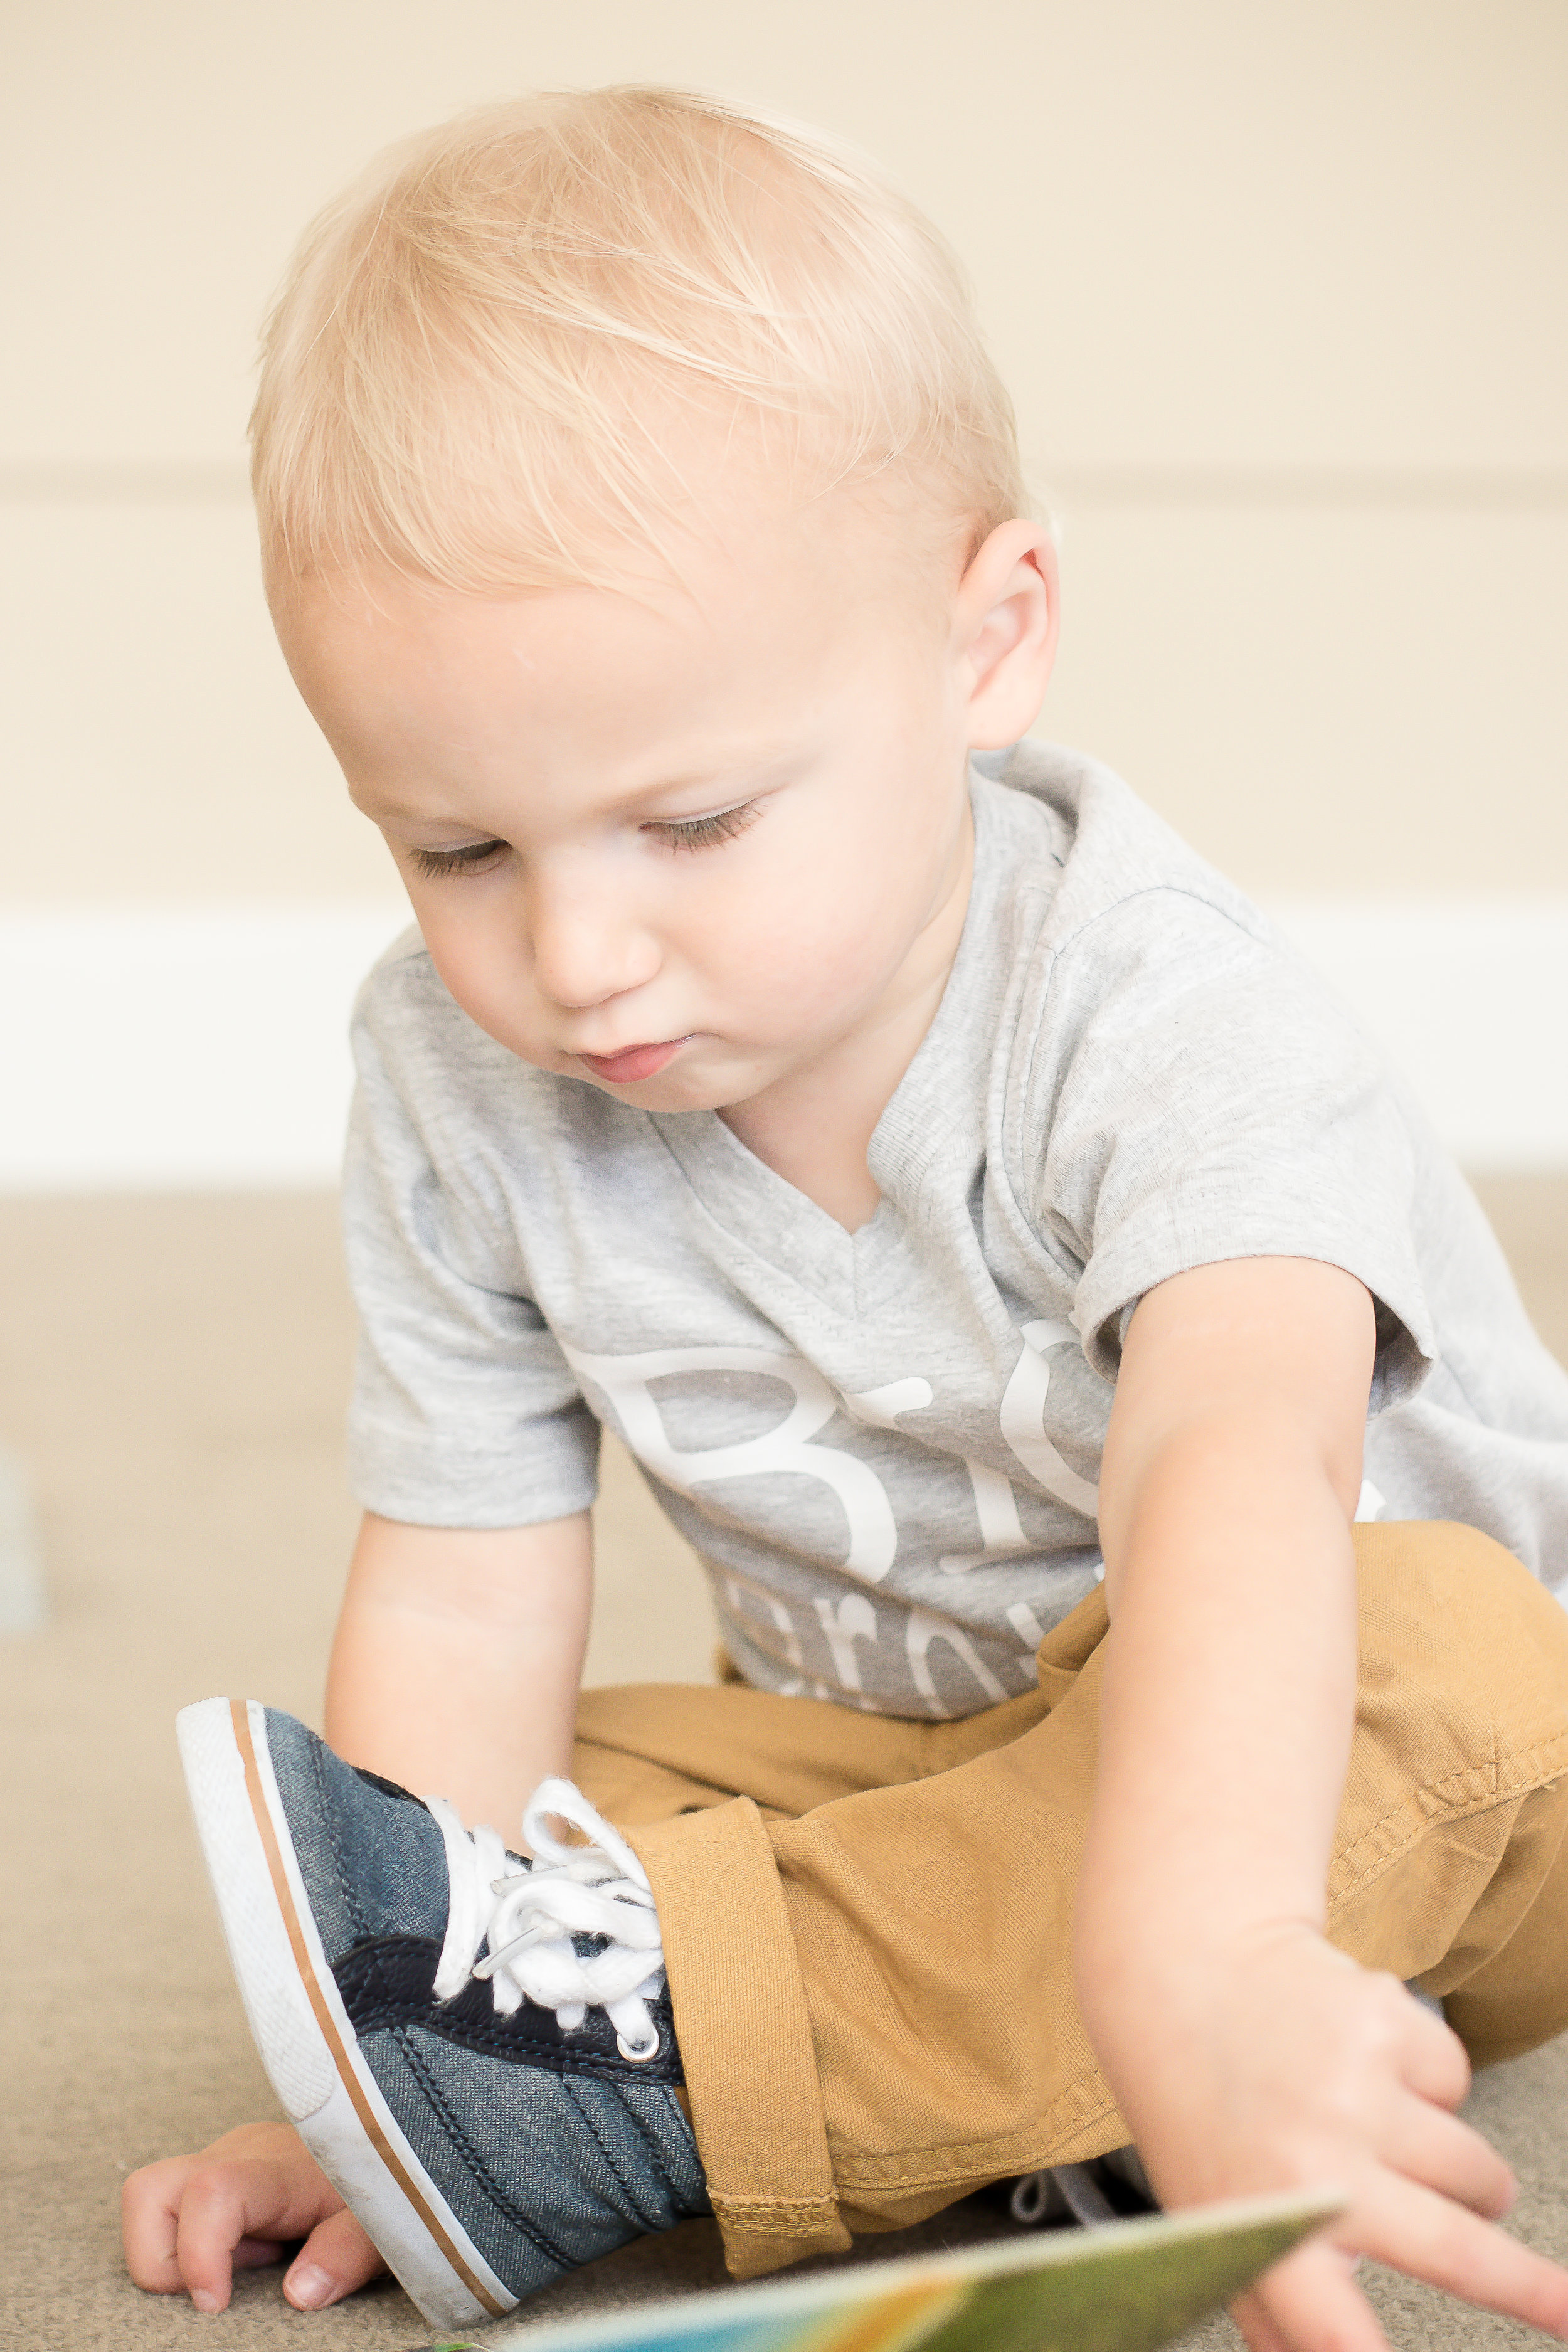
698,832
435,864
705,832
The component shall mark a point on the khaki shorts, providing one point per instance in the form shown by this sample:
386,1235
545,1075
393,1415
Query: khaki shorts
867,1921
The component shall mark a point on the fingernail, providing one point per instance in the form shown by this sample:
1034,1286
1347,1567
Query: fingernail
203,2298
308,2287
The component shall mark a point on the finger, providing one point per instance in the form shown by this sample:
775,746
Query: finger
1413,2230
253,2253
1256,2327
1312,2302
1259,2324
335,2259
149,2210
1436,2062
211,2223
244,2200
1436,2149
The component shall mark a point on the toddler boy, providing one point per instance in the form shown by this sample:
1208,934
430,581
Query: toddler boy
1011,1269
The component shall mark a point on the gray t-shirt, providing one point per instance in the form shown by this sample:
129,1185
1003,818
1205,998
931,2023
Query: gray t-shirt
885,1445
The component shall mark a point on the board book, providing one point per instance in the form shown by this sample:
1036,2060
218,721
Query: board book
1126,2287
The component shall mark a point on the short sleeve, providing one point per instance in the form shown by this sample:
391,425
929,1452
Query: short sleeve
1203,1096
465,1411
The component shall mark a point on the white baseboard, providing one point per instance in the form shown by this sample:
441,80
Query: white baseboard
192,1047
179,1047
1470,998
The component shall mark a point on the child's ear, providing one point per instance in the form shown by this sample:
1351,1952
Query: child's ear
1005,627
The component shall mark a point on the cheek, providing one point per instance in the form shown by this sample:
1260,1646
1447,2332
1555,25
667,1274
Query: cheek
801,933
484,969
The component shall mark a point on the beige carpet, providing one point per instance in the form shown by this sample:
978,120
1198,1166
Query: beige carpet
173,1373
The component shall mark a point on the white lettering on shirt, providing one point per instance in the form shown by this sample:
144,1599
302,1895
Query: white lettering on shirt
1023,1417
791,1445
880,1408
853,1620
741,1590
924,1627
873,1536
996,1509
1026,1625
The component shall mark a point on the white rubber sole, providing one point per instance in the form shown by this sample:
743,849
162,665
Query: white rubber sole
302,2028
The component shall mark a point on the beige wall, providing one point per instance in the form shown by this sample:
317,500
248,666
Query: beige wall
1280,289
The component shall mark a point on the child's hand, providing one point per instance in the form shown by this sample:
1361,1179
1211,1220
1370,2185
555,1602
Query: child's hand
1285,2066
1248,2054
190,2220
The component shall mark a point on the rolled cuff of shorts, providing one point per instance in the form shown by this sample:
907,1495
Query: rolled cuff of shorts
744,2031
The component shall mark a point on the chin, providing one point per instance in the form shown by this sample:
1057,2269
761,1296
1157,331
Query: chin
657,1095
695,1091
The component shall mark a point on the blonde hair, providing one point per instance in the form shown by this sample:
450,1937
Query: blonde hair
478,368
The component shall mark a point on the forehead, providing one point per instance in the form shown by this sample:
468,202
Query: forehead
746,531
442,706
764,593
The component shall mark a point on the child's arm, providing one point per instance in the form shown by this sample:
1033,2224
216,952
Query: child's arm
454,1670
456,1659
1246,2052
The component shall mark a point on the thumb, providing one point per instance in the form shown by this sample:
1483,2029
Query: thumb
335,2258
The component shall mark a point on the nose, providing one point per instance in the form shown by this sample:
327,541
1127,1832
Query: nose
587,940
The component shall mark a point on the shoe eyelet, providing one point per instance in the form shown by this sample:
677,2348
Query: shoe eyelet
637,2054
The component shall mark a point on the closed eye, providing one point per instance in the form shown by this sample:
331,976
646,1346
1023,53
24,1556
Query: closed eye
704,831
474,858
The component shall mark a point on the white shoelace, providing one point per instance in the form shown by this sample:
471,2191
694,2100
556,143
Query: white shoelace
529,1917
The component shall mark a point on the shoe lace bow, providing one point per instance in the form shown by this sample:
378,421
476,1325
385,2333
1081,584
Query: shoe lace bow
523,1919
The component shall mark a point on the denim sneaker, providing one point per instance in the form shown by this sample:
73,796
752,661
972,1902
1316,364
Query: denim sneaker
477,2051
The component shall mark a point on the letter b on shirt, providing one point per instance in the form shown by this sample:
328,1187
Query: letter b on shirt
790,1445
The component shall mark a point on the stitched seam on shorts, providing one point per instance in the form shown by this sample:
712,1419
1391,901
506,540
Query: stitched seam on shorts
1523,1776
786,2217
970,2159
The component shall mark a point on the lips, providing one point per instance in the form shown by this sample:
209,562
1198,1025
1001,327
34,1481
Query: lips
636,1062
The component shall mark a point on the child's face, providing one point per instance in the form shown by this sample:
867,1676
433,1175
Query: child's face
688,842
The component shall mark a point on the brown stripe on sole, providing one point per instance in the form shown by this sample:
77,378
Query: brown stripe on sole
240,1713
